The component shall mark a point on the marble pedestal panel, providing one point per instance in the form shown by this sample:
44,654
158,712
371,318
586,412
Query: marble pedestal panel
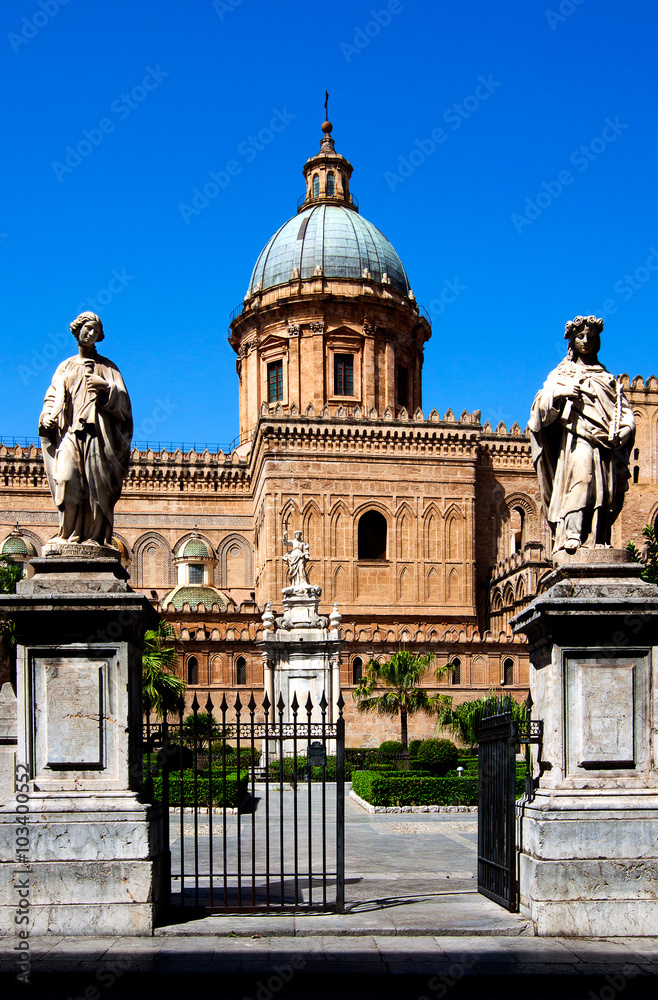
76,840
588,861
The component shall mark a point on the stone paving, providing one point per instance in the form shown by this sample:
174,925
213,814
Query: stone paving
413,915
433,853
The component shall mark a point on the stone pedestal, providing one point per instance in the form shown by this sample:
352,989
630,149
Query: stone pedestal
589,837
92,853
301,656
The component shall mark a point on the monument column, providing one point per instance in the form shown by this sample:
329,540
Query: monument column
90,857
589,835
588,862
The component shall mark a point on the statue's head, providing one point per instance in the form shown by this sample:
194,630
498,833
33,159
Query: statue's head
87,318
575,328
297,535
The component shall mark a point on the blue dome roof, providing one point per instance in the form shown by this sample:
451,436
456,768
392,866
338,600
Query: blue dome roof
334,238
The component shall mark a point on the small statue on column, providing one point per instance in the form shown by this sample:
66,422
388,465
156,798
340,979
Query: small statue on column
296,561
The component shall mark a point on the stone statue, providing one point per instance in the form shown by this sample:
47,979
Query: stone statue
582,431
296,560
86,430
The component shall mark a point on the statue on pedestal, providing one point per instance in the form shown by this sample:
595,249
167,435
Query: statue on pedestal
296,560
86,430
582,431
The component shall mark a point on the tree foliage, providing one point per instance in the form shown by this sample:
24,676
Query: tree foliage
160,686
10,573
402,675
464,720
647,555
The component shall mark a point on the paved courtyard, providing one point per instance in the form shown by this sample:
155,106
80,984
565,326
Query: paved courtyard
387,856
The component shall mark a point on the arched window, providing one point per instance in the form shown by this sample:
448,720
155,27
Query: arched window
240,670
372,535
636,474
316,186
456,670
192,670
331,185
196,573
357,669
508,672
517,525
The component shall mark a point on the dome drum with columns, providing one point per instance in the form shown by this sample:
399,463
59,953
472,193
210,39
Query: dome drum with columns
329,319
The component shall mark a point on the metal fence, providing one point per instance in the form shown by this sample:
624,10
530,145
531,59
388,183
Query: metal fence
500,738
254,807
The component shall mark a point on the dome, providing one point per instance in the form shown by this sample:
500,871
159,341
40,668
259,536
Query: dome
16,546
333,238
194,595
194,548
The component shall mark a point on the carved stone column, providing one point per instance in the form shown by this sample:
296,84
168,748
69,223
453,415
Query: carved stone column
95,861
589,835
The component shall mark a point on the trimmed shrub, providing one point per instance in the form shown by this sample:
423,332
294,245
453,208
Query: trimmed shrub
390,749
409,789
413,749
438,756
274,770
236,789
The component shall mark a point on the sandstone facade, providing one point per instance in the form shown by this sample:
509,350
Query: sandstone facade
426,530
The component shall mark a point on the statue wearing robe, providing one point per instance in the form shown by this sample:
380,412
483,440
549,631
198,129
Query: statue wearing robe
582,431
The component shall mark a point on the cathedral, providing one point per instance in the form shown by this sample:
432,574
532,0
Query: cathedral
425,529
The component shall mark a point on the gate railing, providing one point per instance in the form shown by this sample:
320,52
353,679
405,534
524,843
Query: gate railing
499,740
245,843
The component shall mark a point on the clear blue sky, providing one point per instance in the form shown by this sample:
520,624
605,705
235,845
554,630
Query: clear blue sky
462,211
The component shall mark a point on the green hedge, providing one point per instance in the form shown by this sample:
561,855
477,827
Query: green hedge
302,770
470,766
235,790
409,789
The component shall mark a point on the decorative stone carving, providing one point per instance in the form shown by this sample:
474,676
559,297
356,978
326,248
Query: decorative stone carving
86,429
268,618
582,431
317,327
294,330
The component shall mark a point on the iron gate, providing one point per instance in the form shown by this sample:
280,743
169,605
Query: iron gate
500,738
252,827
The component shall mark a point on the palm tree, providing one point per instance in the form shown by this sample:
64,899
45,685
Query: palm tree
465,718
160,686
648,555
402,674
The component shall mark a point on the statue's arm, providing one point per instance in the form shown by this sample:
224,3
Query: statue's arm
114,400
545,409
626,423
53,400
